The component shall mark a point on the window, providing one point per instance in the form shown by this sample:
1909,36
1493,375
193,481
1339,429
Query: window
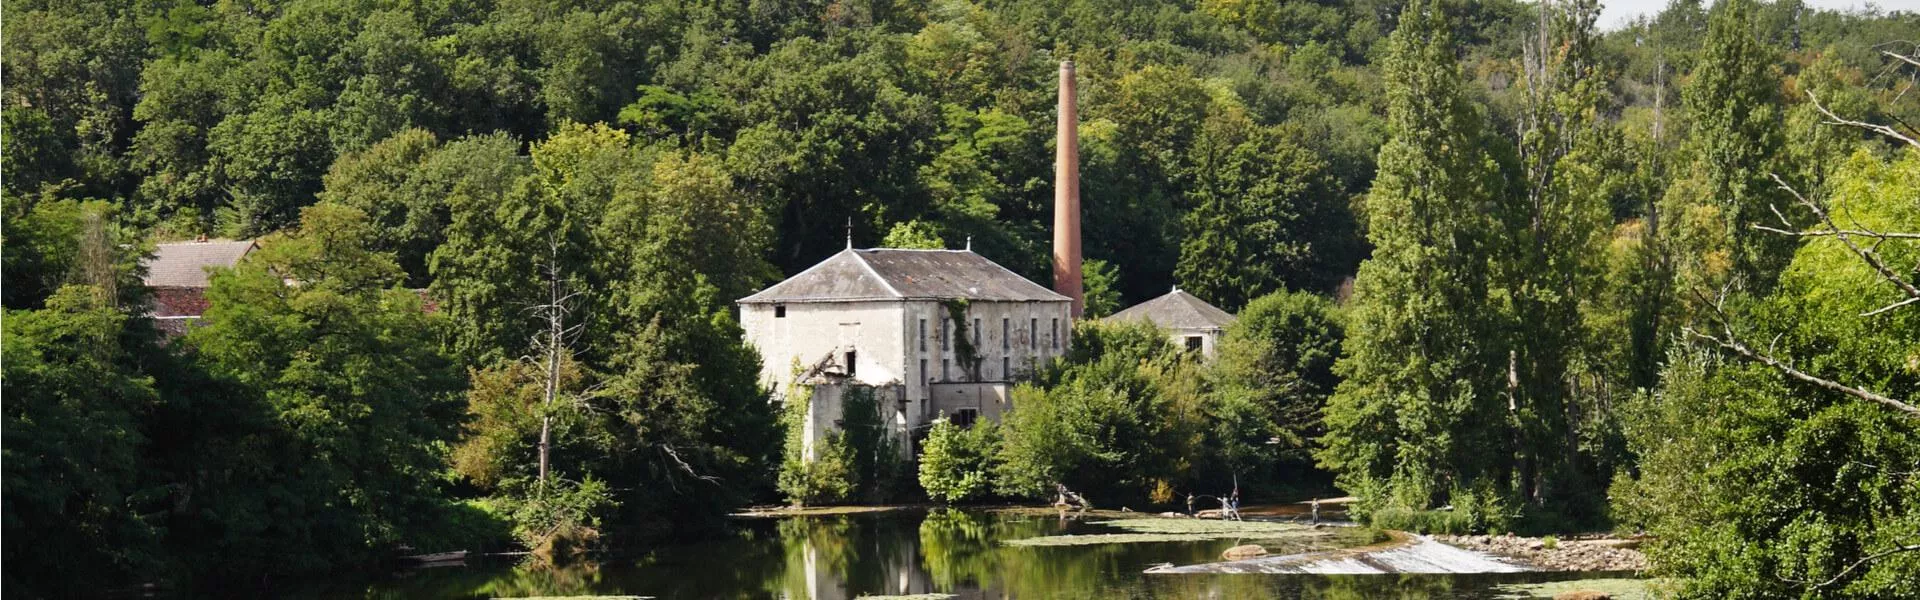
1194,342
923,372
976,333
946,327
1033,334
943,370
779,311
965,417
923,336
1006,368
1053,335
851,364
1006,341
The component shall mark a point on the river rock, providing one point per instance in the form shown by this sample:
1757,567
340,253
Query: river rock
1583,595
1240,552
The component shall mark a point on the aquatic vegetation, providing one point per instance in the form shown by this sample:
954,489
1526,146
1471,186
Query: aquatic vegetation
1618,589
1205,526
1175,530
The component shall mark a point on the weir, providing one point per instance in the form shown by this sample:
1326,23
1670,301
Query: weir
1407,553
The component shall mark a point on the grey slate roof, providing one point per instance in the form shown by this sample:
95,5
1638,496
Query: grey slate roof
1177,310
184,264
900,274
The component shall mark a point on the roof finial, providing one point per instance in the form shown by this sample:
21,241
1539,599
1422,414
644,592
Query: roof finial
969,243
849,233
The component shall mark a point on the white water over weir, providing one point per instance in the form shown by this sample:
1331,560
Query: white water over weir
1418,554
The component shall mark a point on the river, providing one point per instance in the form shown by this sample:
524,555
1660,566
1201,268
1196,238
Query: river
907,552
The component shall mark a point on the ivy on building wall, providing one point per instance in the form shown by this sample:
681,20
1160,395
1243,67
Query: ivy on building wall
965,353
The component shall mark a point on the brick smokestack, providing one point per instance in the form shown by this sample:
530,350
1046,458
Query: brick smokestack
1066,195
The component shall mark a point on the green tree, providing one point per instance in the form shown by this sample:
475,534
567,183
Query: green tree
1419,411
1272,378
913,234
1102,288
1758,479
1119,416
79,517
1734,108
956,463
1265,216
1551,265
74,70
316,325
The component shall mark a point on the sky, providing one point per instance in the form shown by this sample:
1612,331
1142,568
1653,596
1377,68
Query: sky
1614,13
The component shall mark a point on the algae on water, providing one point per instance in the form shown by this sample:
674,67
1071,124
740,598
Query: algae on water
1205,526
1174,530
1618,589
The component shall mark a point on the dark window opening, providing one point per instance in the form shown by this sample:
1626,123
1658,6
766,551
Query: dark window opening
923,335
976,333
1033,334
1194,342
923,372
946,325
851,365
1006,368
1005,339
1053,335
944,376
965,417
779,311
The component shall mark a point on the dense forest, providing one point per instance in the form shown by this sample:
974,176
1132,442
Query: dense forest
1486,257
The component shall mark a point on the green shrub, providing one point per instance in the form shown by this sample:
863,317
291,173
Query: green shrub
827,479
957,463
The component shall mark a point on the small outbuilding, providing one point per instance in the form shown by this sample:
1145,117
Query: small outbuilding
1189,321
178,274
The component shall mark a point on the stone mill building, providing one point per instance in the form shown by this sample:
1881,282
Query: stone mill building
930,334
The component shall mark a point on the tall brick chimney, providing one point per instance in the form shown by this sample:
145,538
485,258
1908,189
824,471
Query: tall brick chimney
1066,195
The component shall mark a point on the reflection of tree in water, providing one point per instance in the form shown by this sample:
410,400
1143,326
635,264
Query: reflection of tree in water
578,578
956,550
947,551
1361,587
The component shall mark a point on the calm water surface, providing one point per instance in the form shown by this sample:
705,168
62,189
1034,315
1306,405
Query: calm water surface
916,552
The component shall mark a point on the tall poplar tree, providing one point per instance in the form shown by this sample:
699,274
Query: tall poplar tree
1733,103
1556,247
1419,414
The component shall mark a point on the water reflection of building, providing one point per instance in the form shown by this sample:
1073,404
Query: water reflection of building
840,561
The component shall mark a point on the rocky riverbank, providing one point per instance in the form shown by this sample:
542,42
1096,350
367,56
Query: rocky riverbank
1597,553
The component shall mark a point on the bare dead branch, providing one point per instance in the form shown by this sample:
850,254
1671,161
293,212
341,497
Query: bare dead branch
1889,307
1833,119
1902,57
1894,235
1872,258
675,455
1733,343
1864,560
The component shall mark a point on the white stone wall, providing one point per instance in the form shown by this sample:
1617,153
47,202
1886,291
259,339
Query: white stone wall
1209,339
811,331
885,337
1013,337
